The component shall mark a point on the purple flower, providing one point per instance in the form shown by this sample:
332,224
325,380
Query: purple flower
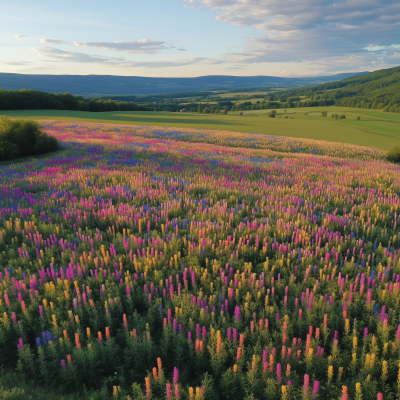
20,344
63,364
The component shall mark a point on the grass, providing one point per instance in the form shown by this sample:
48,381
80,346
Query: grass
375,128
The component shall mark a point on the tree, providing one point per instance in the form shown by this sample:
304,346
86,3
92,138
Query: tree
324,113
272,113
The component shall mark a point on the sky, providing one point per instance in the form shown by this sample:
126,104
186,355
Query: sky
187,38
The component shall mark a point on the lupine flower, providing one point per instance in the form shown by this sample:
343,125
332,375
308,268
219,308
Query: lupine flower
176,375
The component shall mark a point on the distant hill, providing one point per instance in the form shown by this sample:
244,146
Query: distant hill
376,90
103,85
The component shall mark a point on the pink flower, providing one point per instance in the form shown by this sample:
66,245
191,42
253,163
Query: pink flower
176,376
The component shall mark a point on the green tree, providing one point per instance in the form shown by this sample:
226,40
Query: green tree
324,113
272,113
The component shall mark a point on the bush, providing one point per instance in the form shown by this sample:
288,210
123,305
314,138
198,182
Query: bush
393,155
20,138
342,116
8,151
324,113
272,113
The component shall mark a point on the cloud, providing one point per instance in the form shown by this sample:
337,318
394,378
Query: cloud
297,31
20,36
142,46
53,41
54,54
379,48
17,63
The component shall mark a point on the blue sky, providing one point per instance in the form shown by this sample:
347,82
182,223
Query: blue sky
199,37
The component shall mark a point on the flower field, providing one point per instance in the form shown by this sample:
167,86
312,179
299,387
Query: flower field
164,264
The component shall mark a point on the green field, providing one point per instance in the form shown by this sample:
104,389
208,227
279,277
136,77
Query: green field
375,128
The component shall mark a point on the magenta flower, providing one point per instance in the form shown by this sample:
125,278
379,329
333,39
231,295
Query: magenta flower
176,375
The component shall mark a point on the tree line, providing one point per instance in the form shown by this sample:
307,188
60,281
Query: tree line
25,99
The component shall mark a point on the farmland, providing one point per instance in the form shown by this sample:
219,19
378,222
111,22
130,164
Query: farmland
201,264
375,128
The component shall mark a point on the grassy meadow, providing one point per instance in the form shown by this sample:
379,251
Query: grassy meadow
375,128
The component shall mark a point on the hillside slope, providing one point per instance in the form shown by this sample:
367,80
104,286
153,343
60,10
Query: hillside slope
376,90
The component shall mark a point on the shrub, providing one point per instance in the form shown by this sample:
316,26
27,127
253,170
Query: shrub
324,113
8,151
20,138
272,113
393,155
342,116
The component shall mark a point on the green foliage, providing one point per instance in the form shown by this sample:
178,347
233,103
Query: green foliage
36,100
376,90
20,138
324,113
393,155
272,113
12,394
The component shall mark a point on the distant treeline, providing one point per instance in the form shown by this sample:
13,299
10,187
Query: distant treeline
25,99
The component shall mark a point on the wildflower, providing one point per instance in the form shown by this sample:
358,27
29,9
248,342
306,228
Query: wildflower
176,375
315,388
330,372
168,391
306,384
148,387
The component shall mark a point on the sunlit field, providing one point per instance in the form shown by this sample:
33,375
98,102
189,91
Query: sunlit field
375,128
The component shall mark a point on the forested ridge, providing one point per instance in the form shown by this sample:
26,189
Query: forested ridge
25,99
376,90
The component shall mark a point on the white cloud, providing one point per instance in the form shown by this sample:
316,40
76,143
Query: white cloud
17,63
379,48
53,41
20,36
54,54
297,31
142,46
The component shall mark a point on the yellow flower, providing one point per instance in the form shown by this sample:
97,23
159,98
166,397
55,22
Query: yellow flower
330,372
358,387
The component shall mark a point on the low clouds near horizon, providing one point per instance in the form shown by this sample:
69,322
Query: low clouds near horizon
142,46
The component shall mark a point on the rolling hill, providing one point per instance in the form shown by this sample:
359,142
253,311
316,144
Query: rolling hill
375,90
101,85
